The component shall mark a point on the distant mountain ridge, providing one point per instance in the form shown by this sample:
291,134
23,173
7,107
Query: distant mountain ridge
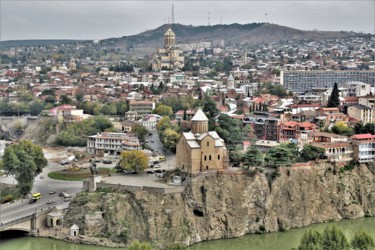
36,42
251,33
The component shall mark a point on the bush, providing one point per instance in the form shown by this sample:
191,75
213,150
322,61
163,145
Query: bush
175,246
362,241
140,246
8,198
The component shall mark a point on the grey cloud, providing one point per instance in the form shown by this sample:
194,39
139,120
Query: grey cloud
103,19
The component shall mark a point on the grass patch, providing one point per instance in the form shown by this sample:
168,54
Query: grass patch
78,176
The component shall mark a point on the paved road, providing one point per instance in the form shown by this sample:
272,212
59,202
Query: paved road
42,184
157,146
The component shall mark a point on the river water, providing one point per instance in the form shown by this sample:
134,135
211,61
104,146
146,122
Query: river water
272,241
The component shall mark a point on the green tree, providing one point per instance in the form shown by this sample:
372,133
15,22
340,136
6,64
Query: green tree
334,239
362,241
163,124
163,110
284,154
170,139
310,152
369,128
311,240
121,107
25,160
79,97
136,245
36,107
76,134
65,100
334,99
140,130
209,107
135,160
252,157
108,109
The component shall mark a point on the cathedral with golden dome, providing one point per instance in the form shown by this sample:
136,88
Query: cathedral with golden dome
169,57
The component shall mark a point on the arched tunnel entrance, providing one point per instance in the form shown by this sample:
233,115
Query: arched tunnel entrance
12,234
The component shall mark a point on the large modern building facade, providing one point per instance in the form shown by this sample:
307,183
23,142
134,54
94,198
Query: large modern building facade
301,81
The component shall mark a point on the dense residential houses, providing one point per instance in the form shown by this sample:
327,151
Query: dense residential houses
280,90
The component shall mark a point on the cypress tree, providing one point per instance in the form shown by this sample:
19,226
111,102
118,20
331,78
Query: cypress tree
334,99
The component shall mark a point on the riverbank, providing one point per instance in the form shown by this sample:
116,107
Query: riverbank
272,241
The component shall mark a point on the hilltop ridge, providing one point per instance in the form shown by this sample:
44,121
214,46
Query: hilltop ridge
251,33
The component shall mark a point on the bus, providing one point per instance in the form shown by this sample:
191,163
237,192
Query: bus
35,197
162,158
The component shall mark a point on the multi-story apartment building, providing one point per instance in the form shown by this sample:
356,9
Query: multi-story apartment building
267,128
361,113
301,81
338,152
364,147
358,88
112,144
294,131
337,148
142,108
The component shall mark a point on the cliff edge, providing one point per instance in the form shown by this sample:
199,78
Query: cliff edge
225,205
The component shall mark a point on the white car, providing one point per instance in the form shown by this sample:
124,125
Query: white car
160,175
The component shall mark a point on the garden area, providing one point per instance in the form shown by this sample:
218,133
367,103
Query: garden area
78,174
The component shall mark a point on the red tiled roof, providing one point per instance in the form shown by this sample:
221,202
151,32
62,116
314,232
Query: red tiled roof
363,136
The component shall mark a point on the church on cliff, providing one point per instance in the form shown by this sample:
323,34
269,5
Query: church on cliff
200,150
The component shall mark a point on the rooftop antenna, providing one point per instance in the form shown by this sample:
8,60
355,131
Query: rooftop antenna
172,21
208,18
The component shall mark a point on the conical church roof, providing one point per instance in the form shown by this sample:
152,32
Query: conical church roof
230,78
169,33
199,116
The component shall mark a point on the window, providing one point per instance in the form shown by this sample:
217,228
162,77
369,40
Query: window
209,158
208,144
205,158
218,157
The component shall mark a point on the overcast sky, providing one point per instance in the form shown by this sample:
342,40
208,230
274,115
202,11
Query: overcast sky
71,19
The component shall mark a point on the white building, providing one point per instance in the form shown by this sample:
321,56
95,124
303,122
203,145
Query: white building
112,144
358,88
364,147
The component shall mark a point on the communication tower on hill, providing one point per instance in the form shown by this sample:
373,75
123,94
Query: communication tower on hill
172,21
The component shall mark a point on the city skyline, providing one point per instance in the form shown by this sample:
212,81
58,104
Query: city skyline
106,19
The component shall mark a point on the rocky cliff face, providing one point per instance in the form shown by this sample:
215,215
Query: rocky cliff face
217,206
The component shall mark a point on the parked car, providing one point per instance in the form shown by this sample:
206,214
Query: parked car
52,192
150,172
160,171
157,166
50,201
65,195
160,175
107,161
129,172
